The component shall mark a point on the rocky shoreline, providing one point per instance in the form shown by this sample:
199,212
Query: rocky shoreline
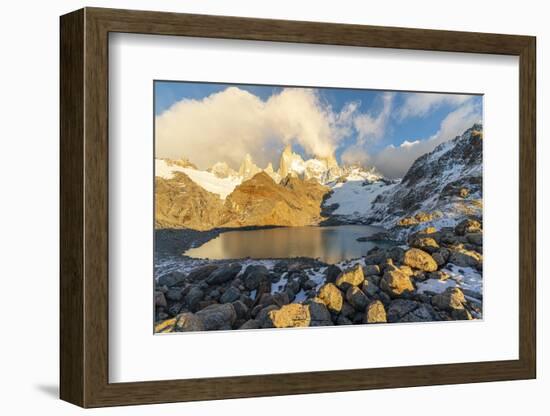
434,276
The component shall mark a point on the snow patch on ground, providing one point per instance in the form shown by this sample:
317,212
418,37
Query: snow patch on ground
465,278
435,285
355,197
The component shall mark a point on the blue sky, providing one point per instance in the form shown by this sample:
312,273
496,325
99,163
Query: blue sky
388,129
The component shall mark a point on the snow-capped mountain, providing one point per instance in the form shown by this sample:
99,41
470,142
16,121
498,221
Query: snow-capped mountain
248,168
222,170
323,170
440,188
446,184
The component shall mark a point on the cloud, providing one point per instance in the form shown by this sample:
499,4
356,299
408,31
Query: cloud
226,125
356,155
372,127
420,105
394,161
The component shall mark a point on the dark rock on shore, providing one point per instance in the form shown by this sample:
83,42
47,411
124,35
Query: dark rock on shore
223,274
217,316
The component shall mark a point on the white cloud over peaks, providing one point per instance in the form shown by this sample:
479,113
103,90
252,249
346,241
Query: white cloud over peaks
226,125
394,161
420,105
372,127
356,155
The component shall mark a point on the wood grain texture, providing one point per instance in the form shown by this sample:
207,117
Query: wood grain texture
84,207
71,208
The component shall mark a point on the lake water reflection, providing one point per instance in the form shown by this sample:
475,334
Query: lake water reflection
329,244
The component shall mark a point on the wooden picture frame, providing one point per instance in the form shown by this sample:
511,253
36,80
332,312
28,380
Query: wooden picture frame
84,207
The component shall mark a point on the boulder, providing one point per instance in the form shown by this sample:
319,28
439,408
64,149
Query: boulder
188,322
375,313
389,266
396,283
250,324
230,295
342,320
396,254
223,274
406,270
439,259
427,231
461,315
371,269
399,308
266,299
281,298
369,287
450,300
350,277
171,279
200,273
175,308
466,258
347,310
240,309
332,273
309,284
293,283
419,259
160,300
263,316
375,257
193,297
165,326
475,238
402,310
427,244
290,316
319,314
174,295
252,276
331,296
356,298
422,313
373,278
468,226
205,303
217,316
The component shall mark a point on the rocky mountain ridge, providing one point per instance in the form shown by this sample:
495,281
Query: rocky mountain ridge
441,188
258,201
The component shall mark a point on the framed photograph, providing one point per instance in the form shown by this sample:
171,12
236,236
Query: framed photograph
257,207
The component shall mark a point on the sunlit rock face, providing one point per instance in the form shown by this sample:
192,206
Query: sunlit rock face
248,168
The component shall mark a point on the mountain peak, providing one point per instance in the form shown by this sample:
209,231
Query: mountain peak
248,168
222,170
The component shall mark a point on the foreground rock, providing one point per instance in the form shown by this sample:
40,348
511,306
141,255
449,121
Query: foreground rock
420,259
217,316
376,313
331,297
396,283
290,316
350,277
